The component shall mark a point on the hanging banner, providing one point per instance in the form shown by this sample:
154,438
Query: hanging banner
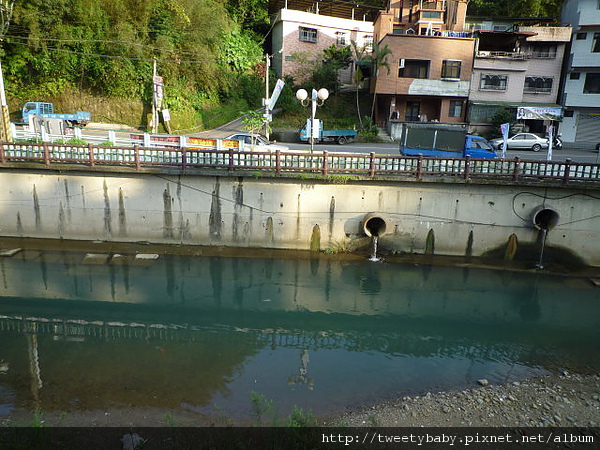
275,94
550,137
539,113
504,128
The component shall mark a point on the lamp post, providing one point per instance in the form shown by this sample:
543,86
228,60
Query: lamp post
317,99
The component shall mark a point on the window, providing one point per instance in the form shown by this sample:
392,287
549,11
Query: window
413,111
500,28
340,38
574,75
581,36
568,113
451,69
544,51
495,82
592,83
456,107
596,43
413,68
308,34
368,43
431,15
538,85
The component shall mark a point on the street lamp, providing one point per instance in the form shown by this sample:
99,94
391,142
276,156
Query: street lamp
317,99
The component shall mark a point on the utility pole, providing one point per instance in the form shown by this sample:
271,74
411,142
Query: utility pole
5,134
154,109
266,101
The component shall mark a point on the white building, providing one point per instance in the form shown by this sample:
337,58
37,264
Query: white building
581,92
299,34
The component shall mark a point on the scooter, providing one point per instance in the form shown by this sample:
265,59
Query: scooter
557,142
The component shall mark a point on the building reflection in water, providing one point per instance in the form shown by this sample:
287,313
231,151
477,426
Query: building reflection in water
96,331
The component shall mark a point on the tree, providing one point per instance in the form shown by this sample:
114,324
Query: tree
378,58
360,56
253,122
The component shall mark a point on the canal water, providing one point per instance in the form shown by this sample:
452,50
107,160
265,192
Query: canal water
84,332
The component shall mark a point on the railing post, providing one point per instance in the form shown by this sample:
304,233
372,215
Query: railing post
230,168
278,162
136,156
46,154
325,164
467,167
567,171
2,154
183,159
420,167
91,155
372,164
516,171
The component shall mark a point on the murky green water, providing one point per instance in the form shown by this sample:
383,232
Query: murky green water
201,333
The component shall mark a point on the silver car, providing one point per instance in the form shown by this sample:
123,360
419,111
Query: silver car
521,141
259,143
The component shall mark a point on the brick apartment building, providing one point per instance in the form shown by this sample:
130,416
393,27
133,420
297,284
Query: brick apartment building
430,62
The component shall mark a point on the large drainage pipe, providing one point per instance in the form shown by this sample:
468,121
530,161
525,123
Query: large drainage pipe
545,218
374,225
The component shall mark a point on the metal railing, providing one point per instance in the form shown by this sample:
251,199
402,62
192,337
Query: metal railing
232,160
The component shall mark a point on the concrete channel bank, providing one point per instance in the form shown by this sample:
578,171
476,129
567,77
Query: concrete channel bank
464,219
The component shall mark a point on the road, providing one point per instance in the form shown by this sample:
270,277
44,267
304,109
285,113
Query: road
391,148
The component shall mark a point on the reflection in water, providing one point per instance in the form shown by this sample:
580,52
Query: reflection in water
195,332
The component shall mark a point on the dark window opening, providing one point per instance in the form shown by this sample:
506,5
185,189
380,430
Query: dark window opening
413,68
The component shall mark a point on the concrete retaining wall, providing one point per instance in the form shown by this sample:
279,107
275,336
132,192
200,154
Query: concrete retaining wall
466,219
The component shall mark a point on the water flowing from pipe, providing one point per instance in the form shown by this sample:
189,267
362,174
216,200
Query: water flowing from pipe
540,264
374,257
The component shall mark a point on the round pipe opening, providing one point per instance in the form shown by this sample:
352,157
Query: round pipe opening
545,218
374,226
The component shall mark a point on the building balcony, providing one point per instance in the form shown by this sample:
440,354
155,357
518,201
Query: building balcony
519,56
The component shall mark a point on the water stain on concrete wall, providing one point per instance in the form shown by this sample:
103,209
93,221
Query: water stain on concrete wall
269,230
315,239
214,219
107,212
122,214
238,198
167,213
36,209
331,217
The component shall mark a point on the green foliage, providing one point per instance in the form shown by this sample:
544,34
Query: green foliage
107,49
502,115
299,418
240,51
511,8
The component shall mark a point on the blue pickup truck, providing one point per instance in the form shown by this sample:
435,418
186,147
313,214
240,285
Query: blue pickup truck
339,136
441,140
45,110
